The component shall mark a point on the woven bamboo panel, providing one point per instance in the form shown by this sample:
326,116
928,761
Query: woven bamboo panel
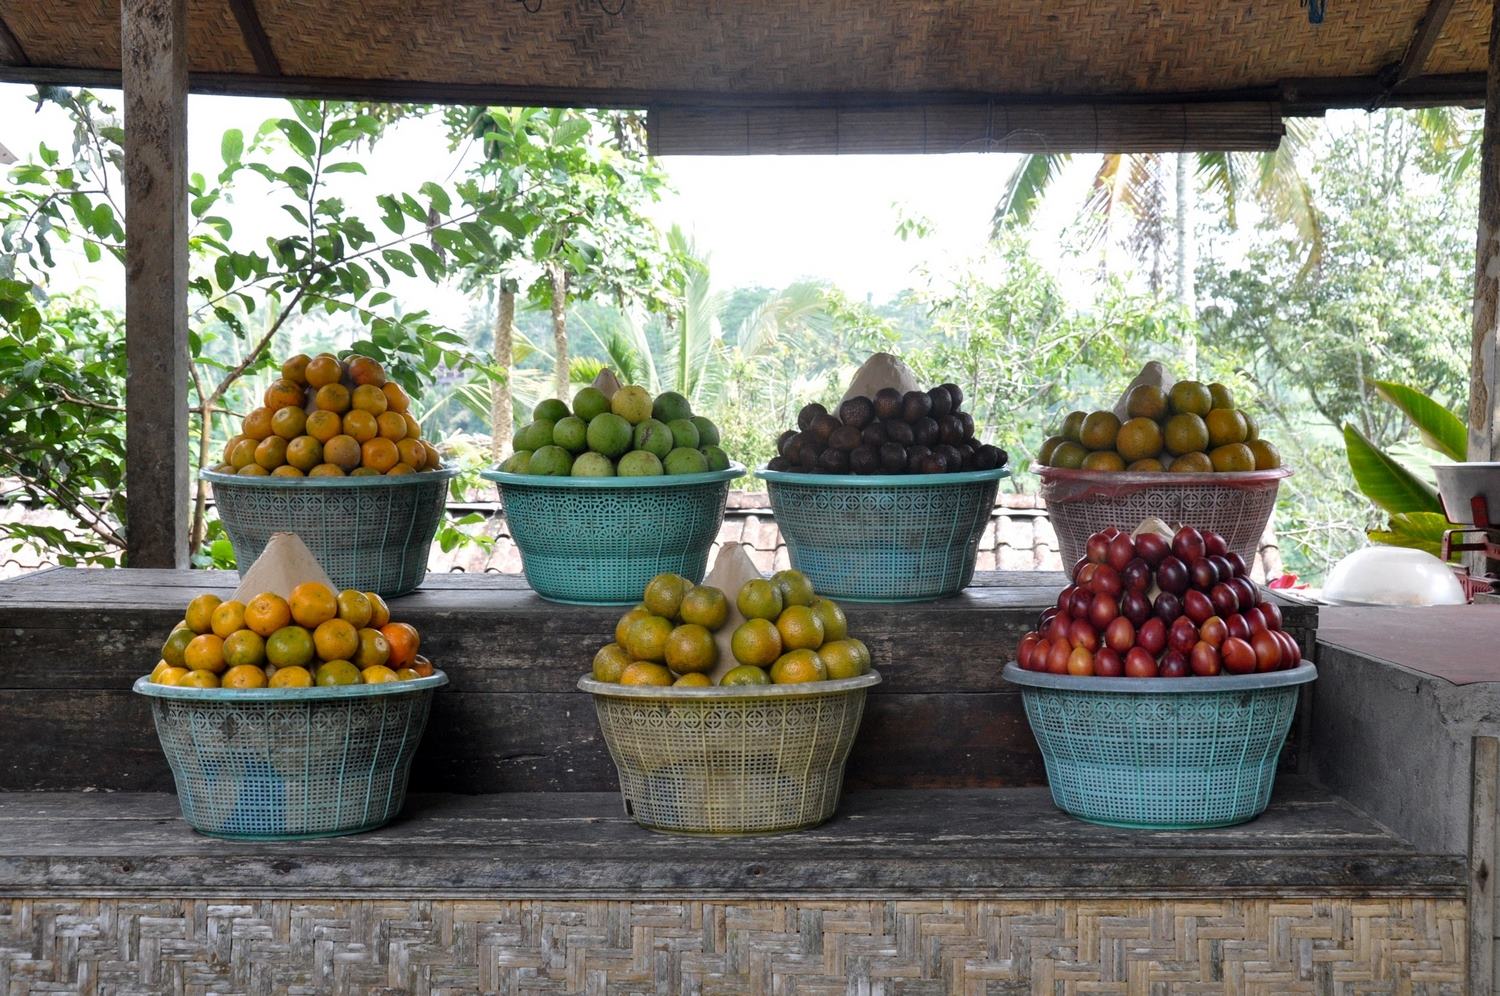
1249,946
1039,47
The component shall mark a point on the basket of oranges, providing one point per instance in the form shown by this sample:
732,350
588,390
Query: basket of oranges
293,717
1183,455
335,455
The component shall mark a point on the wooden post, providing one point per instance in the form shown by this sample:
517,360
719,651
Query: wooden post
153,58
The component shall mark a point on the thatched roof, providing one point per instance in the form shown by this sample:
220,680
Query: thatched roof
793,53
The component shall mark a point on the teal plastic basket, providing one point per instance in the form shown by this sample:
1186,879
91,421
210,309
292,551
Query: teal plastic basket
291,763
370,533
1161,753
598,540
886,537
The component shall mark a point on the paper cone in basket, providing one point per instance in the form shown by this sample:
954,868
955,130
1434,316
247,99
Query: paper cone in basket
732,568
881,371
285,563
607,383
1152,373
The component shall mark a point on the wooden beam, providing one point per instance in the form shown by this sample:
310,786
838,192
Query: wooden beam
1484,398
256,39
153,45
1427,32
1484,797
10,48
1298,97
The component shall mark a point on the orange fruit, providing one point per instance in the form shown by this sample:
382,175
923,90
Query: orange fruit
1146,401
289,646
227,619
364,472
395,398
342,452
229,449
664,593
1226,426
289,422
1221,396
326,470
270,453
407,674
705,605
244,647
205,653
413,427
323,426
355,609
378,674
610,662
200,611
757,642
835,625
361,425
201,678
844,658
1072,426
313,603
412,453
170,675
392,425
175,647
1232,458
800,629
422,666
380,454
1186,433
337,673
243,454
434,461
1192,463
266,613
304,453
1190,397
404,641
253,470
1139,439
1252,431
1069,454
646,639
287,470
745,674
373,648
332,398
244,676
322,370
365,371
759,599
1147,466
369,398
1099,430
282,394
292,677
794,587
622,625
336,640
295,369
690,648
693,680
401,468
380,613
646,673
1103,460
798,666
1267,457
257,424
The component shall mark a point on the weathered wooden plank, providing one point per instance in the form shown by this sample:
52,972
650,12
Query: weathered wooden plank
1484,363
153,46
1010,841
1483,800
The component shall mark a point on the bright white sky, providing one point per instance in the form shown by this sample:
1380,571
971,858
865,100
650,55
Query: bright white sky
766,220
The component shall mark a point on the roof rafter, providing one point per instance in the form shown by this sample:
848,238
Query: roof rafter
11,51
256,39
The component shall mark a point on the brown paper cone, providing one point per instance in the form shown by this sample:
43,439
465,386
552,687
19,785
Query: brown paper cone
285,563
732,568
881,371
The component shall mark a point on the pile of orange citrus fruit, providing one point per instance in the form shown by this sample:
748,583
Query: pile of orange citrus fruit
327,417
789,635
315,637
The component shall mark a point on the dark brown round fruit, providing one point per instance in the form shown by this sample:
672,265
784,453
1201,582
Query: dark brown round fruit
778,464
934,463
915,405
1172,576
792,451
1152,548
914,456
1203,574
835,461
892,458
951,429
887,403
873,435
956,393
784,438
942,401
899,432
808,413
1167,607
1135,606
925,431
967,452
858,412
1152,636
968,423
954,458
807,454
863,460
1139,664
822,427
1107,663
1174,664
845,437
987,457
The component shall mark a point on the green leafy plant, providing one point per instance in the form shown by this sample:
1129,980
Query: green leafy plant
1416,514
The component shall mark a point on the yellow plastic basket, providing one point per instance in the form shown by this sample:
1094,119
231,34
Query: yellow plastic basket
739,760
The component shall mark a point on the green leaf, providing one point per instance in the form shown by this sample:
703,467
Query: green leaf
437,195
224,272
299,136
232,146
1384,481
1415,530
1441,430
344,168
570,131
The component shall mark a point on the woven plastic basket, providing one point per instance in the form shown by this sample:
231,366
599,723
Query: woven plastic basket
739,760
884,538
598,540
1163,753
289,763
1237,506
370,533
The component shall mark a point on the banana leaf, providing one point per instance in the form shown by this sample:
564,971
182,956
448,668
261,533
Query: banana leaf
1441,430
1414,530
1386,482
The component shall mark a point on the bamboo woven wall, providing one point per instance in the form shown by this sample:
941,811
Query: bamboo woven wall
1243,947
738,47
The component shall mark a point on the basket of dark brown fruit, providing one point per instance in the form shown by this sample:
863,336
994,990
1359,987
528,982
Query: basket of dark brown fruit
885,499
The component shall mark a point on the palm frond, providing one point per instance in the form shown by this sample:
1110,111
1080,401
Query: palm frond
1033,177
